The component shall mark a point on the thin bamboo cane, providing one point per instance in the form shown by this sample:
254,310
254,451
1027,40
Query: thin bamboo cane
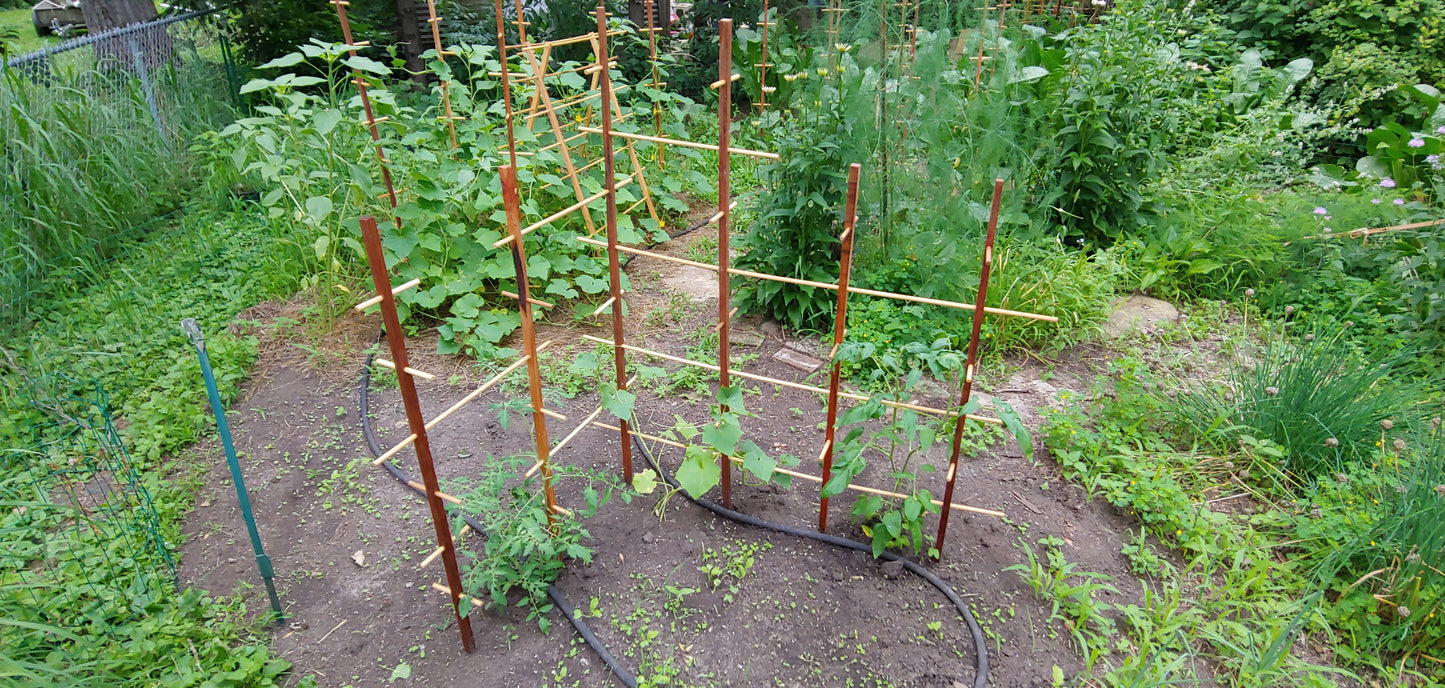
685,144
438,552
559,214
825,285
545,99
461,404
794,385
535,301
813,478
409,371
394,291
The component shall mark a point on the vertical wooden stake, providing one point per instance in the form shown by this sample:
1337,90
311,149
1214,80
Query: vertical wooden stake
436,33
656,83
512,199
614,266
979,302
982,34
366,107
840,323
376,258
506,80
913,42
763,68
724,199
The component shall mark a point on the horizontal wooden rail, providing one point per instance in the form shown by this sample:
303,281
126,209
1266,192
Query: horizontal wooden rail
386,363
460,404
562,213
795,385
825,285
811,478
377,299
685,144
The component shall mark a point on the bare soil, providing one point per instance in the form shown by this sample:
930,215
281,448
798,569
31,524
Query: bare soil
346,539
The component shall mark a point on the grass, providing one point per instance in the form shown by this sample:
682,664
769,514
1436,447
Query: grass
28,41
117,323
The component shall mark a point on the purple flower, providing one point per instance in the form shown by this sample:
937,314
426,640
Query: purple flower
1387,183
1376,201
1440,130
1399,201
1321,211
1433,158
1416,142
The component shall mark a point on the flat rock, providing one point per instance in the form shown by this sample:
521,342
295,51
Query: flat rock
798,360
699,284
745,337
1138,313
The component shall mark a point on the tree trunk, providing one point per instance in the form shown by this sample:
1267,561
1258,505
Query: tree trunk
411,15
152,45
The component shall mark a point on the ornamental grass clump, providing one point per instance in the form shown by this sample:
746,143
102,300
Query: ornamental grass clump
1309,393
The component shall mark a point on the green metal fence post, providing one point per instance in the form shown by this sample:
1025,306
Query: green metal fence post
263,562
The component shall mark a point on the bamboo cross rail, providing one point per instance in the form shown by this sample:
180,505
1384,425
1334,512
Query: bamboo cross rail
395,341
684,144
824,285
812,478
491,382
792,385
1371,231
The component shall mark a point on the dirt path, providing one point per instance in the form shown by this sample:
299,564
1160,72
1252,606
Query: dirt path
801,615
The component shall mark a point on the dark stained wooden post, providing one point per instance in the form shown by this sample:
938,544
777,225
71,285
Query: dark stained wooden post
840,324
614,266
724,199
512,200
980,301
377,259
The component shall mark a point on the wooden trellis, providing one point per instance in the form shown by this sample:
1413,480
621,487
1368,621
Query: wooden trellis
531,349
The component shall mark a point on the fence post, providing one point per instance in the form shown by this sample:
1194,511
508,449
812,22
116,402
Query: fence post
145,84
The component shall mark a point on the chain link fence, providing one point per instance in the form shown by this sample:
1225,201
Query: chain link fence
96,134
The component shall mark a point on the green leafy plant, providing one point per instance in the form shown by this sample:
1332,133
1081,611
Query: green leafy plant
526,547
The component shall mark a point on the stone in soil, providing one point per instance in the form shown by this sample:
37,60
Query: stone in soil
1138,313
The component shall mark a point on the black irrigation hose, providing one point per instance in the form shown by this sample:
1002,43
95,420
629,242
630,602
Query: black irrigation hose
556,595
980,646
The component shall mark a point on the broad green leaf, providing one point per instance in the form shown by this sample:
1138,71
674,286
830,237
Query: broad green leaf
319,208
326,120
757,462
618,402
699,471
722,435
645,482
287,60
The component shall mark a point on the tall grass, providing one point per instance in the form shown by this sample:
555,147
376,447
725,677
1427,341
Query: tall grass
84,160
1309,393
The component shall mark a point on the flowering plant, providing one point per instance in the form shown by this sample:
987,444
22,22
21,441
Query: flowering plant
1409,158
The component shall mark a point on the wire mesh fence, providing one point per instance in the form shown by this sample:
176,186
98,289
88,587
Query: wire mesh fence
83,548
95,135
